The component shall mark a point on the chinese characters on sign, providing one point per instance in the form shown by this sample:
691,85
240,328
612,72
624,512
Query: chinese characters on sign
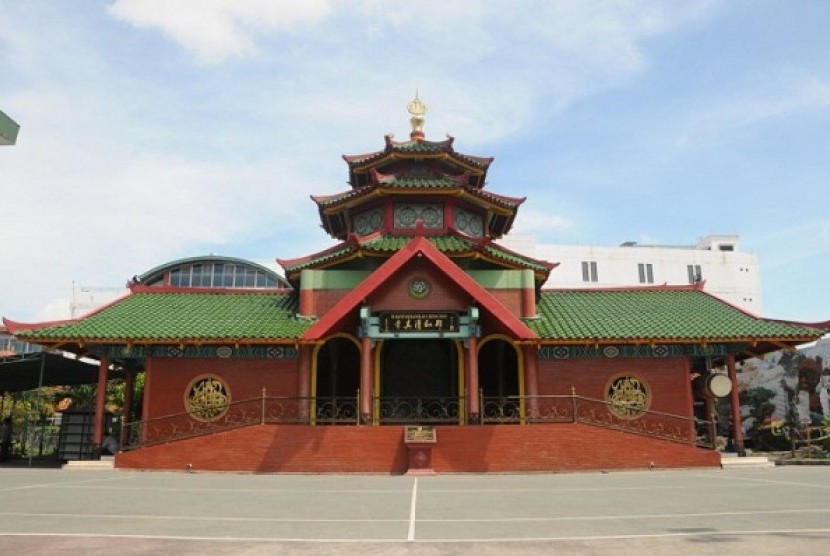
402,323
419,433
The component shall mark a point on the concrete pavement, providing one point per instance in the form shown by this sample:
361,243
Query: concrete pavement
765,511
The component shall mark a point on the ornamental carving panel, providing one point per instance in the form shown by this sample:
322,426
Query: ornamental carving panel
627,396
407,214
207,397
368,221
469,223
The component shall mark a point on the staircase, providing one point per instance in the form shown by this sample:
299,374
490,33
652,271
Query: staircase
732,461
103,464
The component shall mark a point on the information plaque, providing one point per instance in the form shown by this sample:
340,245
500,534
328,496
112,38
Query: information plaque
418,434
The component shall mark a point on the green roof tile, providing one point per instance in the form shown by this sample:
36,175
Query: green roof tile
448,244
170,316
653,314
416,183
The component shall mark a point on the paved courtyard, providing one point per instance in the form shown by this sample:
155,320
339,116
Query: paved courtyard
758,511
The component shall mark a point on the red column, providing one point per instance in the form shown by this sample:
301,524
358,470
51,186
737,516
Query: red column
690,398
367,380
531,379
737,422
129,387
100,400
145,401
304,379
474,411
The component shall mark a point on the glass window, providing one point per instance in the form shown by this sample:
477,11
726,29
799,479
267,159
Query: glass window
227,276
196,275
695,274
220,275
239,277
589,271
646,273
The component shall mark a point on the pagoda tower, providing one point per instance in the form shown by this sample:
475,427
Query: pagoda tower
416,187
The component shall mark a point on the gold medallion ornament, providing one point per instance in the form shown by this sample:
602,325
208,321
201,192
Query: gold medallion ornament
419,288
207,397
627,397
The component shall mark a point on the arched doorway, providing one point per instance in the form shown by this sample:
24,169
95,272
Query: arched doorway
419,381
498,379
337,381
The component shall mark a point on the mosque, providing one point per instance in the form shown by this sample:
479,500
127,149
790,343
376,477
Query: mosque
415,344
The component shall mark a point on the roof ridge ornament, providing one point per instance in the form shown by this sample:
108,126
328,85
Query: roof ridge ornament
417,108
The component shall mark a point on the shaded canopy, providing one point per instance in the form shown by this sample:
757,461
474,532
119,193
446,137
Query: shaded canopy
19,373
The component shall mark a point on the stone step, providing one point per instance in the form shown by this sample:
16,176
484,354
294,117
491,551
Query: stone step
731,461
102,464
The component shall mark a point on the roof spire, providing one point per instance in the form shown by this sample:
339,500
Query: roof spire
417,109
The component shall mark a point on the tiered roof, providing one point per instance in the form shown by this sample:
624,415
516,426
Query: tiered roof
452,244
419,148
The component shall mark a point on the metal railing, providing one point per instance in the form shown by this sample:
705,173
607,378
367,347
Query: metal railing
417,410
242,413
579,409
527,410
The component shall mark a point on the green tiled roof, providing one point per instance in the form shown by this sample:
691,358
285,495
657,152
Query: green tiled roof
391,243
499,253
172,316
448,244
653,314
320,258
415,183
420,146
390,181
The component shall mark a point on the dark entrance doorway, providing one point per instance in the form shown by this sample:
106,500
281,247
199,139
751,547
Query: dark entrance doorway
338,378
419,381
498,378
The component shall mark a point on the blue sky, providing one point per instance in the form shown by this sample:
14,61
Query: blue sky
153,130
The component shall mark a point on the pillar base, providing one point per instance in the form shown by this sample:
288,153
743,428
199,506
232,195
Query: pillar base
420,459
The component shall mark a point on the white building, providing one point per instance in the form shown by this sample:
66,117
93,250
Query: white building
717,260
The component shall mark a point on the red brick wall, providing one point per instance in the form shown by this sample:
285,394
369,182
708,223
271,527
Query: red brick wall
393,295
321,301
246,378
511,299
666,378
296,448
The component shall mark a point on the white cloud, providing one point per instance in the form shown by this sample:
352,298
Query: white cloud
217,29
543,225
714,120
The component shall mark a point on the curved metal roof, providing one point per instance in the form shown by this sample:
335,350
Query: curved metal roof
157,272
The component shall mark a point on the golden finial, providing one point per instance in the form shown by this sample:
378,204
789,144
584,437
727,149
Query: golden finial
417,108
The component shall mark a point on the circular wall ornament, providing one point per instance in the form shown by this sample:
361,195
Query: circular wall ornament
207,397
419,288
611,351
224,352
627,396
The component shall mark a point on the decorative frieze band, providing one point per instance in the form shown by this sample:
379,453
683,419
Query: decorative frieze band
632,351
201,352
